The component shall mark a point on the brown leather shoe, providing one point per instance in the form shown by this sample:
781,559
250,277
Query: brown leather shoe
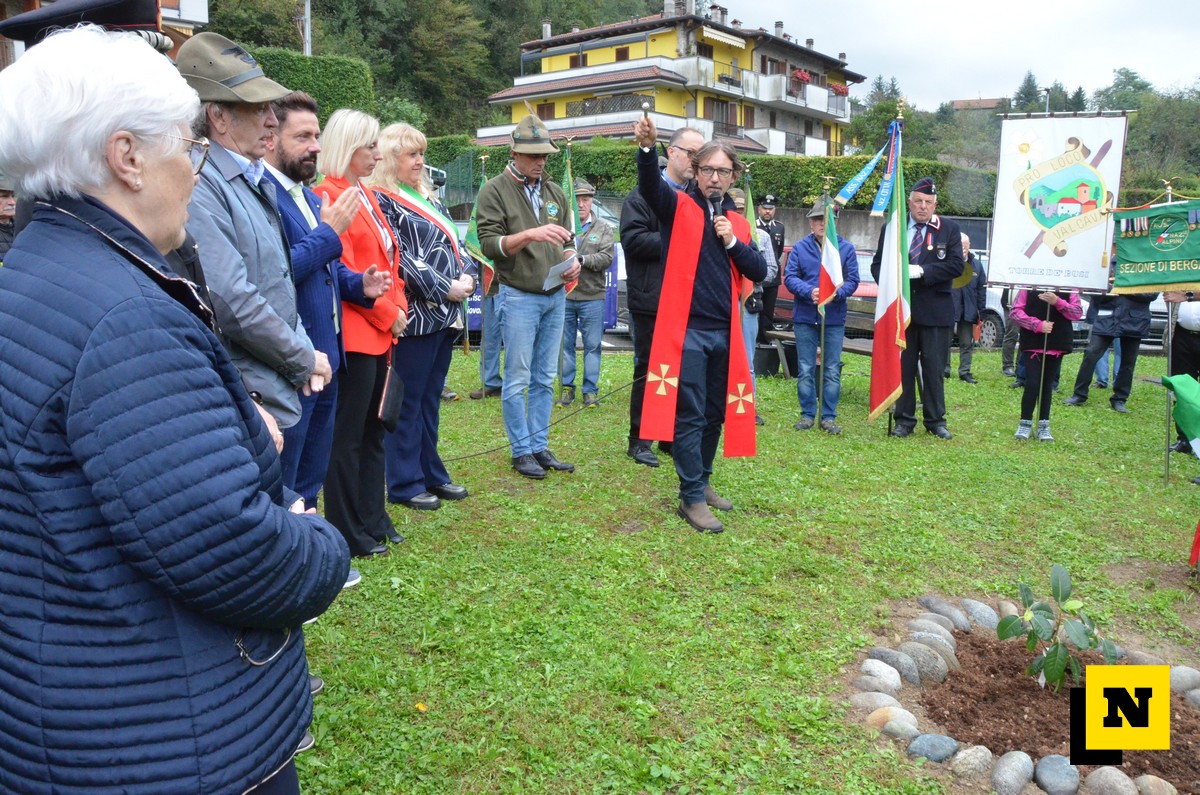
715,500
700,517
480,394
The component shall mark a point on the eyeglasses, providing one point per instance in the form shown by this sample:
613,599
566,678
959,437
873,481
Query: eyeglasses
689,152
197,151
708,171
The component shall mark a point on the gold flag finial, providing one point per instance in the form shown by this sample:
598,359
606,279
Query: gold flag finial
900,103
827,179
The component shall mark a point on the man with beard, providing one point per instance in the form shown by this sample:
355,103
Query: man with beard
312,227
8,211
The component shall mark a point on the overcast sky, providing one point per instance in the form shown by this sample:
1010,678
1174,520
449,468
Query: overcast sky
941,50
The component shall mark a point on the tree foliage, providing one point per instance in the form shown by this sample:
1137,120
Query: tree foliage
1127,92
334,82
263,23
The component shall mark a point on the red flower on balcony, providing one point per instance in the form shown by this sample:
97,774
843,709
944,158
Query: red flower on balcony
841,89
801,76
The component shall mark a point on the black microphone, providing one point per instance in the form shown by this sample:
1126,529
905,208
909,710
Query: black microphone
715,197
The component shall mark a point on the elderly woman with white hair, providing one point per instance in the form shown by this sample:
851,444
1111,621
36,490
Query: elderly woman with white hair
436,282
155,573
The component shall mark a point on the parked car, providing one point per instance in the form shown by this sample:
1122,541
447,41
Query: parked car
860,307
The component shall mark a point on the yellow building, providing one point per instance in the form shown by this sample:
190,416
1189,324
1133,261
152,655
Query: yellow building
762,91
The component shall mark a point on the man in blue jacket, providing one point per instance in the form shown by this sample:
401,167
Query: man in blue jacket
312,229
802,276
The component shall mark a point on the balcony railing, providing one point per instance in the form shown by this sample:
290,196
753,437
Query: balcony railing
614,104
727,129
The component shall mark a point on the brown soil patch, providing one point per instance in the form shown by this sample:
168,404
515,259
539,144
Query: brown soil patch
992,702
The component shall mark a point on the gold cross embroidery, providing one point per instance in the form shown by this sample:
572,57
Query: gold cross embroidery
742,397
663,380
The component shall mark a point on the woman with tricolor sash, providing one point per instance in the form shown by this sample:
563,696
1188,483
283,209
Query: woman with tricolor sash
699,375
434,267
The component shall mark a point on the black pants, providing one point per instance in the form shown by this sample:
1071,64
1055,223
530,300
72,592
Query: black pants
285,782
1012,333
1185,356
354,486
766,318
700,410
1097,345
1034,383
642,329
930,345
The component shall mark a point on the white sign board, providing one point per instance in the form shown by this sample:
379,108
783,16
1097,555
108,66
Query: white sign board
1055,176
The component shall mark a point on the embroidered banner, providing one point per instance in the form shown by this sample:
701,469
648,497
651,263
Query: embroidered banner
1158,248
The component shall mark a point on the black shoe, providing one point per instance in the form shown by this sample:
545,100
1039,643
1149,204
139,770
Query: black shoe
315,684
449,491
970,379
1074,400
901,431
940,432
393,537
422,502
642,454
1008,372
759,420
1119,407
548,461
491,391
528,466
376,551
1181,446
1017,385
667,447
1099,385
306,743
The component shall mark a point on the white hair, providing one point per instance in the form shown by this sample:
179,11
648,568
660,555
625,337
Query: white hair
68,95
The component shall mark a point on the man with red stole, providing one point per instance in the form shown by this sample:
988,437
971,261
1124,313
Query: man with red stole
698,376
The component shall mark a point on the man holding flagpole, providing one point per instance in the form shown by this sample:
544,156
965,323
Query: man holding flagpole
934,261
525,228
821,272
698,375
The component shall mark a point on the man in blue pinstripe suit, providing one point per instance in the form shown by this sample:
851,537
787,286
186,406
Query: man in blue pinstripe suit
312,227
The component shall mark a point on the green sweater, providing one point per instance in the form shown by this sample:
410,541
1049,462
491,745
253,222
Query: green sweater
504,209
595,257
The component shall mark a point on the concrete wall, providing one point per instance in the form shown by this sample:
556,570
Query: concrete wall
862,230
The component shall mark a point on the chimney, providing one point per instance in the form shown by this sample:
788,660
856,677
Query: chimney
574,27
787,37
737,23
668,8
718,14
842,57
546,28
808,43
779,28
689,7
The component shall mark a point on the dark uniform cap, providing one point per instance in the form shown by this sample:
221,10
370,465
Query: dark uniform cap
532,137
583,187
33,26
768,201
925,185
222,71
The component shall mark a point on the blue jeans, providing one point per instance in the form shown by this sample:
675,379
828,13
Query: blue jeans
531,325
807,337
700,410
588,318
308,443
489,342
750,337
1102,364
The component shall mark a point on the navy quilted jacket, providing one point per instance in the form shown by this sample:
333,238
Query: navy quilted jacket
142,534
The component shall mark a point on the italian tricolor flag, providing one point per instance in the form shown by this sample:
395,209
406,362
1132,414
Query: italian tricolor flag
892,305
831,261
1187,417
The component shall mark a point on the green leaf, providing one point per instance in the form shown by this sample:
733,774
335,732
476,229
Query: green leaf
1010,627
1076,674
1109,650
1078,634
1087,622
1056,664
1031,641
1042,628
1044,609
1071,605
1035,667
1060,583
1026,595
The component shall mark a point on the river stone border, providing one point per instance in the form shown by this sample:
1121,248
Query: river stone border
887,675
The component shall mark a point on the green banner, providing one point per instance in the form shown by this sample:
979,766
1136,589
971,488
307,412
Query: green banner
1158,248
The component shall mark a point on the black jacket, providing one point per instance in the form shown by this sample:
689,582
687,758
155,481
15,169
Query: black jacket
942,261
1121,315
970,300
644,263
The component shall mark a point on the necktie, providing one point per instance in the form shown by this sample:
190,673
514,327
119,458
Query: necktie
534,192
914,248
297,194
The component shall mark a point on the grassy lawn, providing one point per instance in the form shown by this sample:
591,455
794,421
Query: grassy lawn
573,635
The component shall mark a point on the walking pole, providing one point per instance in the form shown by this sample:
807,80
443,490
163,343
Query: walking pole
1172,317
821,370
